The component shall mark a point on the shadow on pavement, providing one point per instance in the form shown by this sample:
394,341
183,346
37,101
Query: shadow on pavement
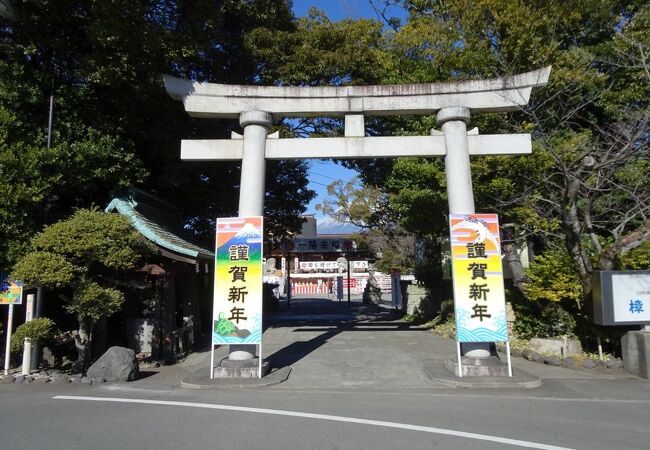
142,374
331,317
296,351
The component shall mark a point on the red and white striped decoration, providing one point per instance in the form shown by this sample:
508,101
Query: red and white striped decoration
309,289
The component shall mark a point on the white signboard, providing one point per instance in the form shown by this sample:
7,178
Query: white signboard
330,265
631,297
321,245
322,265
621,297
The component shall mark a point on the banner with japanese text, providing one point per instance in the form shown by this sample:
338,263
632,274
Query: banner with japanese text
11,292
320,245
479,296
237,307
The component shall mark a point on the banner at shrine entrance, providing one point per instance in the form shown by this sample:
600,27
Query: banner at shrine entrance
479,297
237,306
11,292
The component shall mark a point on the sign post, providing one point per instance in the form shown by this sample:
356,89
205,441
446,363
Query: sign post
349,279
289,282
27,348
10,322
11,293
395,288
622,297
339,288
479,294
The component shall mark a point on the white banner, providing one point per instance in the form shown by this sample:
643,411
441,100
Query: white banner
320,245
330,265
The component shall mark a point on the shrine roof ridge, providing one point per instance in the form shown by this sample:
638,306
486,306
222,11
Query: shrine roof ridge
223,100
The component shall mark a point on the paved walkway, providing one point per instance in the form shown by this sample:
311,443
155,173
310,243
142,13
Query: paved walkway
330,345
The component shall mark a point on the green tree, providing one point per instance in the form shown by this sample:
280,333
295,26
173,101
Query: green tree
36,331
584,184
364,206
39,183
114,124
349,202
584,187
637,259
84,253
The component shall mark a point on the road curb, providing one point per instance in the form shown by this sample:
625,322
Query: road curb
519,379
201,380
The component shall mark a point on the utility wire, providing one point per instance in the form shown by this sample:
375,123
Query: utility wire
320,184
332,178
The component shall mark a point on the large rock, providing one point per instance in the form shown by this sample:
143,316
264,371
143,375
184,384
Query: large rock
372,292
47,358
636,353
59,378
416,298
552,360
559,346
614,364
117,364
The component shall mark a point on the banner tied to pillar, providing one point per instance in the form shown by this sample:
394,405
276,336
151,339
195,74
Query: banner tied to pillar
237,306
11,292
479,297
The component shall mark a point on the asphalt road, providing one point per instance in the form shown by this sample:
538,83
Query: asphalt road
81,417
358,384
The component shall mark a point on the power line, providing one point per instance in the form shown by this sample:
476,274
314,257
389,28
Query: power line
325,176
333,178
320,184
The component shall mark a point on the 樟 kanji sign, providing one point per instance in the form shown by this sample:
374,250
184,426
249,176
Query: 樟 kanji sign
621,297
237,307
479,298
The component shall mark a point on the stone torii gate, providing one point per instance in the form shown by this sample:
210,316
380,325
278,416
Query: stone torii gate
452,102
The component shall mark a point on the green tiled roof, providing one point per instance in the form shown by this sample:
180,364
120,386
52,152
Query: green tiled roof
157,221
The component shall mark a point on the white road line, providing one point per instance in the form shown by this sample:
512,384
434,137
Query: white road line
279,412
431,394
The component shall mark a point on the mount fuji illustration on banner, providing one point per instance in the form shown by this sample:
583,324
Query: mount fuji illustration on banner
237,307
248,233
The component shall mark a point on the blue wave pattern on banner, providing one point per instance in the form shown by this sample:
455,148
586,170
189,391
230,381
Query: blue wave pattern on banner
253,338
501,323
462,317
498,332
483,335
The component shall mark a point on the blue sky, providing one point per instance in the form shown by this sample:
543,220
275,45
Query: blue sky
322,173
336,9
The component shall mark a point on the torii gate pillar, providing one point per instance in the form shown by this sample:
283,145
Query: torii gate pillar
457,168
253,167
460,195
251,190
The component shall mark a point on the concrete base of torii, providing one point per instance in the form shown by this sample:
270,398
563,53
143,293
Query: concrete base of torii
247,368
477,366
491,366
